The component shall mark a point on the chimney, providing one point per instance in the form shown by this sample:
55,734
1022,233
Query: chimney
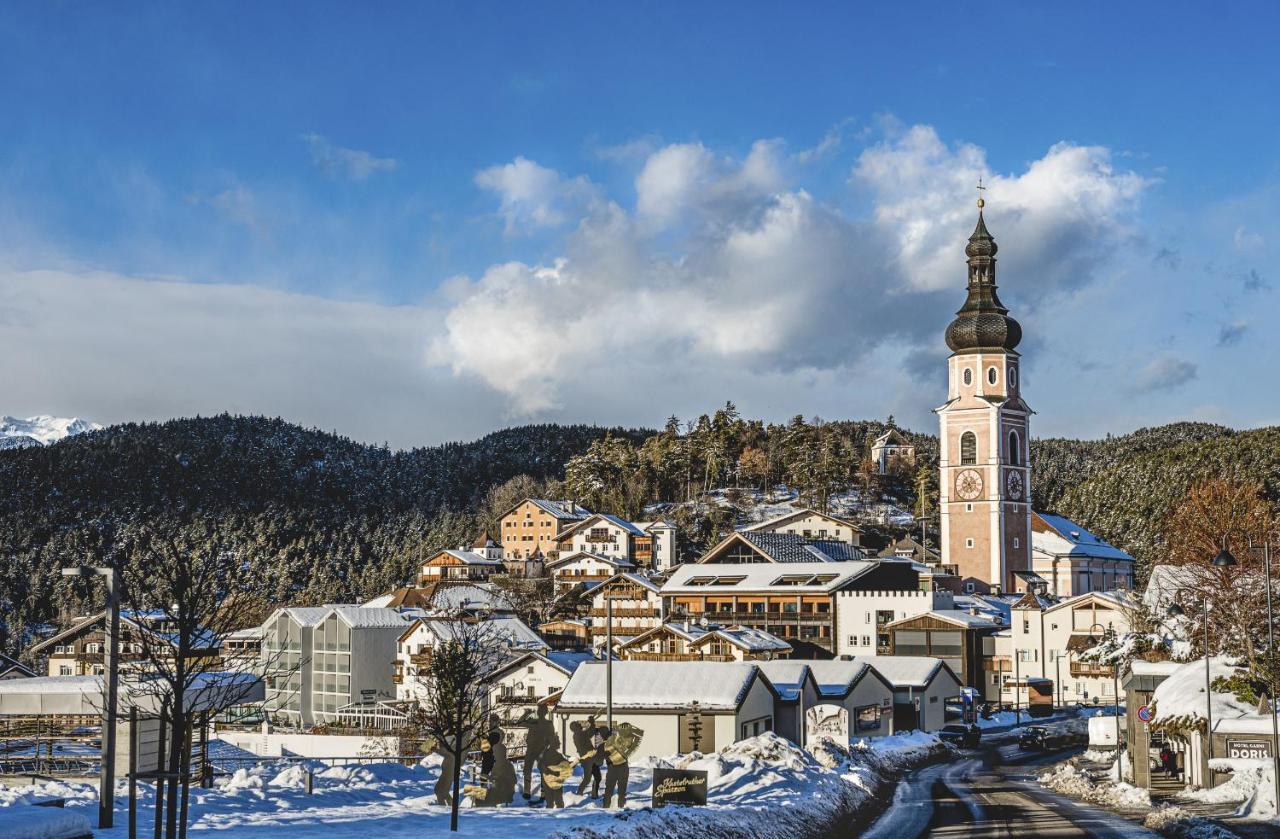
973,610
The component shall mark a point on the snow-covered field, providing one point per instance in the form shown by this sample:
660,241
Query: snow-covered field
761,787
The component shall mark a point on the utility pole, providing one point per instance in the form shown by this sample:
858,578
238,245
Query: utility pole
608,660
111,686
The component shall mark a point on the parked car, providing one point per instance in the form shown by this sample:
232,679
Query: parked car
964,736
1036,738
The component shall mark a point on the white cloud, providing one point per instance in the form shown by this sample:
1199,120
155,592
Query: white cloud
1248,241
1165,373
1048,216
533,196
754,278
237,203
352,164
115,348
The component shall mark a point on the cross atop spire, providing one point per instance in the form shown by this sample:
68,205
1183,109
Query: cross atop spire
981,189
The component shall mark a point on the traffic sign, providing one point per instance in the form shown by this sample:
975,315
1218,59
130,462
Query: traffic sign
1144,713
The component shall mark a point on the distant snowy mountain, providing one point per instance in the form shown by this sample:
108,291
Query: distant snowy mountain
40,431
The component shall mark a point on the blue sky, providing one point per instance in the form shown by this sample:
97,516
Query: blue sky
421,222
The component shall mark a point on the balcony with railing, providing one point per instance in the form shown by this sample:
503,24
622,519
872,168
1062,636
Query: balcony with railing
1092,669
646,656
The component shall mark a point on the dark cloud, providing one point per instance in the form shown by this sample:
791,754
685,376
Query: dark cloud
1164,374
1231,333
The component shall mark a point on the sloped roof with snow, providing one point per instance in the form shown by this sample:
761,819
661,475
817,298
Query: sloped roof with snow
786,676
714,685
778,521
749,639
708,578
905,670
560,509
634,579
365,617
1060,536
514,632
1181,697
835,677
789,547
615,561
468,557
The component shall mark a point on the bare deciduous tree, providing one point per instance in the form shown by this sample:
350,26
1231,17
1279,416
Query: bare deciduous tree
453,688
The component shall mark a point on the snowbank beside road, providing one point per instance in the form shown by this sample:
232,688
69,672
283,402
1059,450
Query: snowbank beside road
1077,783
761,787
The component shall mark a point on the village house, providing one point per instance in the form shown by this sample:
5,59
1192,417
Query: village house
809,689
585,569
1048,637
530,679
286,658
1074,561
923,687
567,634
532,526
864,614
412,649
447,597
746,546
462,564
11,668
636,606
812,525
702,642
795,601
960,638
80,649
647,545
682,706
891,451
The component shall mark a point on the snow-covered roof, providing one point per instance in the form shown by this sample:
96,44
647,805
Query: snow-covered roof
469,557
560,509
306,615
714,685
1139,667
615,561
749,639
1181,695
790,547
1060,536
1113,599
1164,583
798,577
905,670
989,605
786,676
836,677
634,579
959,617
364,617
778,521
567,660
512,631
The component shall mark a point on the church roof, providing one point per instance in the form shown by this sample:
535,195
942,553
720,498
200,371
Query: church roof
983,322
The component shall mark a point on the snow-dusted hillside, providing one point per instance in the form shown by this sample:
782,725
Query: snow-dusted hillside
40,431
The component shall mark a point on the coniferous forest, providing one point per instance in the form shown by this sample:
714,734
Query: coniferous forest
333,520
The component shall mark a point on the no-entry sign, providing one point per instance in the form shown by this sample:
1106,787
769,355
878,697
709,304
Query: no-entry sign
1144,713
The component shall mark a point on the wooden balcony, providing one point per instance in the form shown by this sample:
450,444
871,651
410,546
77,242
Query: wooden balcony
1088,668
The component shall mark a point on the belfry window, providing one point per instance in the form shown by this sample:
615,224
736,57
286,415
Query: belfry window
968,376
1015,449
968,448
992,375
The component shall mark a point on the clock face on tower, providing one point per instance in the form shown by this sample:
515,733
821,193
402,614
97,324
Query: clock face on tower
969,484
1013,482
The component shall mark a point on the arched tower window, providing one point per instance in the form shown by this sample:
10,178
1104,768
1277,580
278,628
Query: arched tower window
968,376
1015,449
992,375
968,448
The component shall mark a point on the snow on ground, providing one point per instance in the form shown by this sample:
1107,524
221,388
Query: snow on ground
1175,821
1078,783
42,823
761,787
1252,783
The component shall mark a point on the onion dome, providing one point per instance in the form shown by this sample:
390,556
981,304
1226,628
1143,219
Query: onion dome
983,323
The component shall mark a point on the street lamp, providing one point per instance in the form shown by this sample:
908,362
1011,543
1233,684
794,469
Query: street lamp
107,773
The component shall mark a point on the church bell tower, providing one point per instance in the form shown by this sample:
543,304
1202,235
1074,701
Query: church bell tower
985,480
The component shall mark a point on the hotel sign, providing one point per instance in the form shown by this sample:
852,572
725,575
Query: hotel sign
679,786
1248,749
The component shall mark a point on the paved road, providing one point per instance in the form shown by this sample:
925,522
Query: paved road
992,792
